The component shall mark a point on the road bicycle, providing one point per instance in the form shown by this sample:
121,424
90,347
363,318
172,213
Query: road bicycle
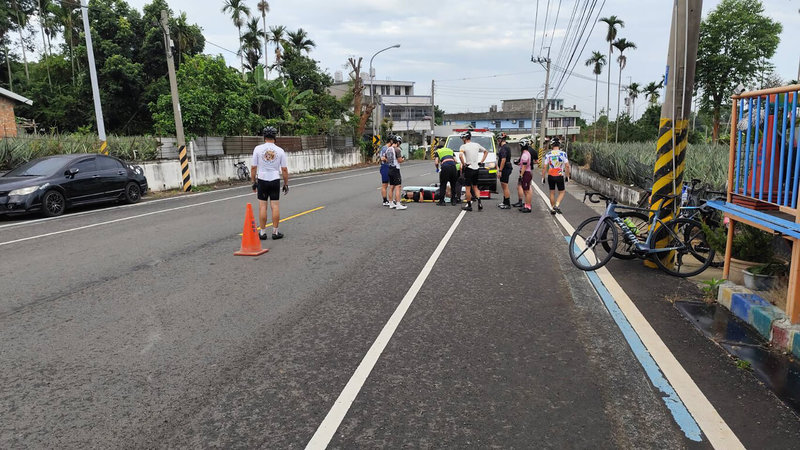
242,172
684,251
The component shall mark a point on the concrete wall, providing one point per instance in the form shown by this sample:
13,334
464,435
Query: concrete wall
163,175
627,195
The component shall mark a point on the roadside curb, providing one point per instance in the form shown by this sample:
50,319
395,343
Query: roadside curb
767,319
629,195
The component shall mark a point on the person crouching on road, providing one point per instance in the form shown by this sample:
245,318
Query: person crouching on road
525,175
394,156
445,161
471,166
556,165
504,168
384,170
269,164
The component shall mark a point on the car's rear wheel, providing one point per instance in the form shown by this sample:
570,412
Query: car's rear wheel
53,204
133,192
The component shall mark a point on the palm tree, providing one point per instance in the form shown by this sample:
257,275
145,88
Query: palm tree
277,35
621,45
64,13
239,13
263,8
22,22
634,89
611,35
300,41
44,16
184,37
651,92
251,44
597,61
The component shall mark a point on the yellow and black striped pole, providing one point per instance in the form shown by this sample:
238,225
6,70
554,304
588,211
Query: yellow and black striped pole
673,132
186,178
104,147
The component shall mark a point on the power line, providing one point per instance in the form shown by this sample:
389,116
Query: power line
575,57
558,13
544,29
574,43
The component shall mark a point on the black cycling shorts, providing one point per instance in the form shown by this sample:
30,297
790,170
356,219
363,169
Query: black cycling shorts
505,175
269,190
555,182
470,177
394,177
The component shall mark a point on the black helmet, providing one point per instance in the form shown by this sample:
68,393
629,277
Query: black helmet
466,135
269,132
555,143
502,137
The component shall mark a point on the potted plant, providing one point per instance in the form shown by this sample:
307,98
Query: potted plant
751,247
762,277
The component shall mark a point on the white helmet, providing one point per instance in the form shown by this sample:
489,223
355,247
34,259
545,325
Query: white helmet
525,143
466,135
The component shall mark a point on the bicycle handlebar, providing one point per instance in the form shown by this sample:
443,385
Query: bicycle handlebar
591,196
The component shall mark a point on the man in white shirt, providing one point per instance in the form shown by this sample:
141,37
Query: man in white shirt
394,156
269,164
469,161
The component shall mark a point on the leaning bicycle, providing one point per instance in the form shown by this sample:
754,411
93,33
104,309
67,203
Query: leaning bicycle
242,172
683,250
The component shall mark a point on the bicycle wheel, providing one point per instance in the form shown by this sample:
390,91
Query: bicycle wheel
642,224
243,175
590,250
692,254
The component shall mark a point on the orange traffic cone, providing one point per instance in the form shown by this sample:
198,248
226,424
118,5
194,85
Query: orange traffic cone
251,244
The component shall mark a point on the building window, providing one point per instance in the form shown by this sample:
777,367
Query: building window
497,124
472,124
521,124
397,90
408,90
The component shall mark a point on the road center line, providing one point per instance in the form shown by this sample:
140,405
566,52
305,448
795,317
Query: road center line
177,208
292,217
713,426
322,437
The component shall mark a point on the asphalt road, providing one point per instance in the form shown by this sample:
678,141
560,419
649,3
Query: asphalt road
137,327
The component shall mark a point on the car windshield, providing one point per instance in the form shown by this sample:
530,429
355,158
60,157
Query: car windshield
455,142
38,168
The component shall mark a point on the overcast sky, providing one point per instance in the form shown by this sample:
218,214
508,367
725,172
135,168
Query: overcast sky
448,41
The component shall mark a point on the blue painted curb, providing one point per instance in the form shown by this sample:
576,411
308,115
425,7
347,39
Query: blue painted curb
763,316
742,306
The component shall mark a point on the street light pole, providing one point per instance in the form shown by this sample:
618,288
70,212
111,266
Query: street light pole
98,109
372,87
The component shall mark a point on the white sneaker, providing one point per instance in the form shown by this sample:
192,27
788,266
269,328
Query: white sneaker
401,207
386,204
392,205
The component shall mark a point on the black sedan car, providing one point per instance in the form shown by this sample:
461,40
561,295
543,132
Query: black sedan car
54,183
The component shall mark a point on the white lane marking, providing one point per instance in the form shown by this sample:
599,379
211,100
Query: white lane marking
714,427
322,437
177,208
150,202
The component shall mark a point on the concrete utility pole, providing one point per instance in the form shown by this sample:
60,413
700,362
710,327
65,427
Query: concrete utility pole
98,109
176,106
676,110
433,111
546,62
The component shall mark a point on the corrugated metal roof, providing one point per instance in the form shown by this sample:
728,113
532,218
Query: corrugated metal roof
17,97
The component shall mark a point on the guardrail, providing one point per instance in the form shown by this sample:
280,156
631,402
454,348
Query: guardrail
764,164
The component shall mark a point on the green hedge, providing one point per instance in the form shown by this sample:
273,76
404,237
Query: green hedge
15,151
632,163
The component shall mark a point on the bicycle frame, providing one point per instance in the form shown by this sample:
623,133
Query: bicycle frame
646,247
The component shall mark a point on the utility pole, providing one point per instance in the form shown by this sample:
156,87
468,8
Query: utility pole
186,183
98,109
675,112
546,63
433,115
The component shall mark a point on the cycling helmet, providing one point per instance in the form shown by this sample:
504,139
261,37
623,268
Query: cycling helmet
392,139
466,135
525,143
502,137
269,132
398,139
555,143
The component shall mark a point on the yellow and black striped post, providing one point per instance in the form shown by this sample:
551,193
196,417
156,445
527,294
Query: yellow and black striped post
673,132
104,147
185,176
